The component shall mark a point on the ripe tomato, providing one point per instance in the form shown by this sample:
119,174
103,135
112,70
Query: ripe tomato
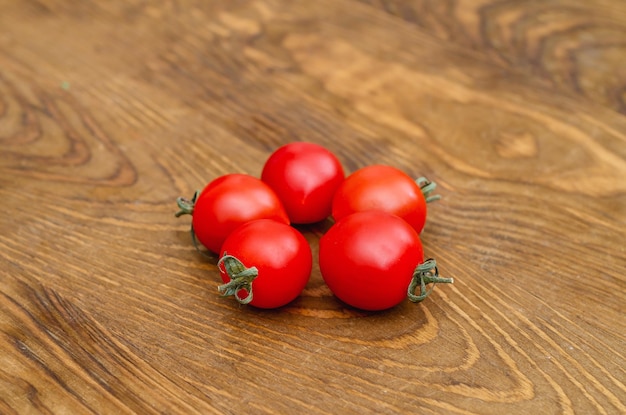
380,187
372,260
228,202
265,263
305,177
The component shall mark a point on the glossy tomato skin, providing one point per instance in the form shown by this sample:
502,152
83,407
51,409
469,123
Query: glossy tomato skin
367,259
230,201
279,252
381,187
305,177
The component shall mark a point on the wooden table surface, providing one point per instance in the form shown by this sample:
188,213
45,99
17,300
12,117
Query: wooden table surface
111,110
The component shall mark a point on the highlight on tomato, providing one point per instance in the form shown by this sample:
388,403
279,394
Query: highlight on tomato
305,177
386,188
265,263
226,203
373,260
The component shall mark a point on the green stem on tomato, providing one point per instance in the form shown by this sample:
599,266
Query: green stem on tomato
427,188
185,205
240,276
196,244
423,275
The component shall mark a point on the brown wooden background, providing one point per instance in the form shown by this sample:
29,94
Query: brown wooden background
110,110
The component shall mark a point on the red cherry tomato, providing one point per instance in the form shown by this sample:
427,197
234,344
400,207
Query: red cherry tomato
372,260
385,188
305,177
265,263
228,202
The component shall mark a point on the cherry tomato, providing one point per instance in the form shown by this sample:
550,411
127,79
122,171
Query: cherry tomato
385,188
228,202
372,260
305,177
265,263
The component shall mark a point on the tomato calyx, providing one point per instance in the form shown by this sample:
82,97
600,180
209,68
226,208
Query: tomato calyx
240,276
427,187
424,274
185,205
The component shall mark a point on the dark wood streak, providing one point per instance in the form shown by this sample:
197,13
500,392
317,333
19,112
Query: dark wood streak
72,336
79,152
596,24
26,350
32,130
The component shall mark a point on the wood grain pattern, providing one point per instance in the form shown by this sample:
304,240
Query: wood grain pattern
110,110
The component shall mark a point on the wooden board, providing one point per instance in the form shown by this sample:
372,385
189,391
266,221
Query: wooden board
111,110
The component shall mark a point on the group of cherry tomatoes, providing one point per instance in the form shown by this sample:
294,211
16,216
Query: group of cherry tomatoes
371,258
